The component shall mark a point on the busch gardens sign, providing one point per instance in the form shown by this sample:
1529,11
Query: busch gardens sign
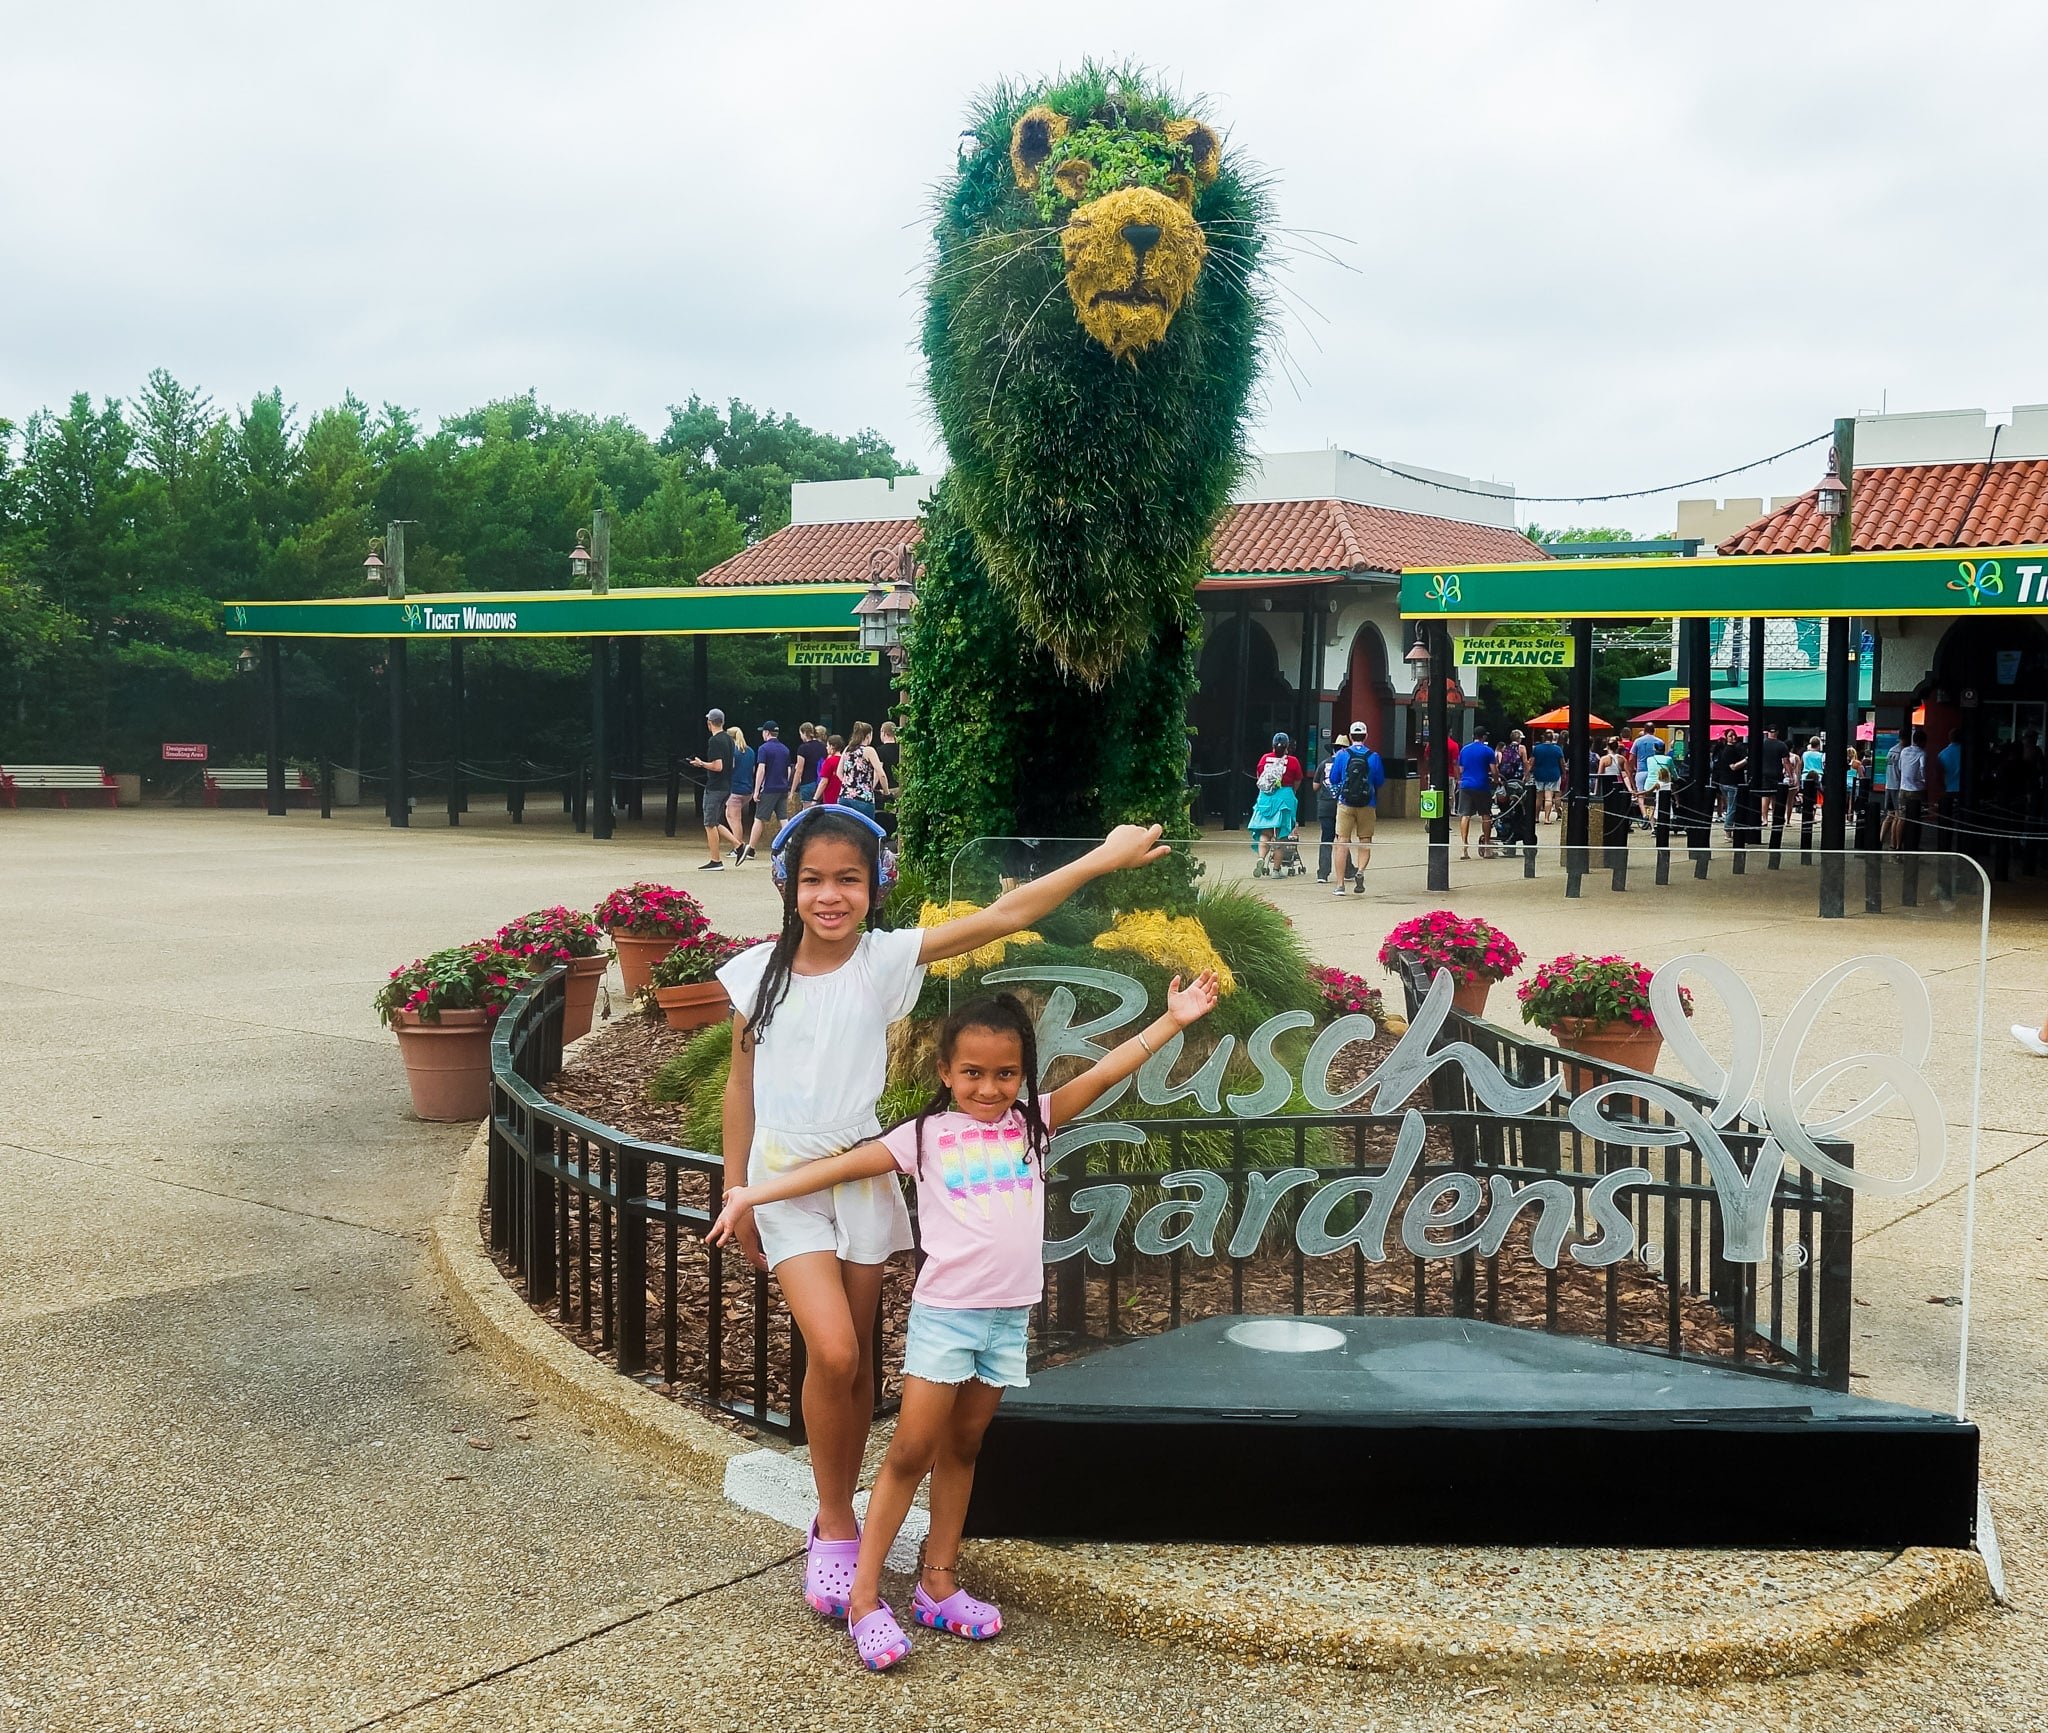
1454,1213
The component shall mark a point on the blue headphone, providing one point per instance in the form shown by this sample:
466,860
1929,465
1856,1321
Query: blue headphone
779,866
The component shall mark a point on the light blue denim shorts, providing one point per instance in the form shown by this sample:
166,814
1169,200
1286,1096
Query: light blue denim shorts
945,1346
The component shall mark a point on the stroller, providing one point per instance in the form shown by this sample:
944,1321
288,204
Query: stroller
1512,823
1275,816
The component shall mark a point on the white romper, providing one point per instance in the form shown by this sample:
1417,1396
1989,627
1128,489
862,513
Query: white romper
818,1073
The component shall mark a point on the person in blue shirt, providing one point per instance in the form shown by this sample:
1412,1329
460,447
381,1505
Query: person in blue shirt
1950,758
1358,797
774,765
1475,790
1546,766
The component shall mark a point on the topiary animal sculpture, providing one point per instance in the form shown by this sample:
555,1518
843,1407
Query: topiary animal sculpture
1092,333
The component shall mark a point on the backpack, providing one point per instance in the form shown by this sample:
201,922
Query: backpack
1357,776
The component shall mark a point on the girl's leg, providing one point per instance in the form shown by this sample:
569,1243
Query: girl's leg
923,1425
833,1306
953,1480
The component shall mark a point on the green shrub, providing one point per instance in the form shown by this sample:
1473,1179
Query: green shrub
1263,950
695,1077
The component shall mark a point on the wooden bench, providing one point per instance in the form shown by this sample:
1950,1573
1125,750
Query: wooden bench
219,782
62,780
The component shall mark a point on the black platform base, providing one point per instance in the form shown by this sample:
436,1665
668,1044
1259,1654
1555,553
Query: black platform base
1454,1432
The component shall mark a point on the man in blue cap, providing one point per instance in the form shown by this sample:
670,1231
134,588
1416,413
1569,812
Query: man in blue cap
771,785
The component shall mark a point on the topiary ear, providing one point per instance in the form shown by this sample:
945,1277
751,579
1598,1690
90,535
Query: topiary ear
1204,148
1037,131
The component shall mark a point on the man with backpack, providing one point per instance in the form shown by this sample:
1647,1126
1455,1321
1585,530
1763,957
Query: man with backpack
1355,774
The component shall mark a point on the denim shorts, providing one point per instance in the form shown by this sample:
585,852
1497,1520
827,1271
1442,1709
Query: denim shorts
947,1346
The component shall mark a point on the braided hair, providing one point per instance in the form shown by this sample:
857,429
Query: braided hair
821,826
999,1014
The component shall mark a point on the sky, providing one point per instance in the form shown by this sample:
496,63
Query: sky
1588,245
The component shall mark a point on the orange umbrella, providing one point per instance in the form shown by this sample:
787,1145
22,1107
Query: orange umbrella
1562,718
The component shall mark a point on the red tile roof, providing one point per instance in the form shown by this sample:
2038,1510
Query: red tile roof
1336,535
1303,538
817,554
1895,507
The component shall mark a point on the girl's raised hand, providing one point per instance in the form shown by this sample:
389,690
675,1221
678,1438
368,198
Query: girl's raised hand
1193,1002
1131,845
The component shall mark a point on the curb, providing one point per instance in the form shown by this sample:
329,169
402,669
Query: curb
516,1340
1107,1588
1915,1591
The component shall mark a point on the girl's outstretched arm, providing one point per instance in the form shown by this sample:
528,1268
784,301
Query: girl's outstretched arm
863,1161
1184,1005
1129,845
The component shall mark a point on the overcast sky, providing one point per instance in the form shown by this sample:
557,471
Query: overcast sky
1594,245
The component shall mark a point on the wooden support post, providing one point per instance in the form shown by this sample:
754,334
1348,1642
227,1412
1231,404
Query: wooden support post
1438,770
397,792
457,803
273,729
1578,781
600,739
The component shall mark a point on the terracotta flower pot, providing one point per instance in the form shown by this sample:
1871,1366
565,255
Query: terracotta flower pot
1470,996
1635,1045
447,1064
637,956
585,974
695,1005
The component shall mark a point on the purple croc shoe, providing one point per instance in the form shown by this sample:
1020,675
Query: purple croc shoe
960,1613
828,1573
879,1639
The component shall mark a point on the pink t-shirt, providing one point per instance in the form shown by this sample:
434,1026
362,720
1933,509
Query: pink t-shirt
980,1211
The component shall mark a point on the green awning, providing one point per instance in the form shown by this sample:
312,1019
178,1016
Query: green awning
556,613
1820,586
1784,689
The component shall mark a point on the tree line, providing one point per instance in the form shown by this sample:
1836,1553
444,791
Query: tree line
125,525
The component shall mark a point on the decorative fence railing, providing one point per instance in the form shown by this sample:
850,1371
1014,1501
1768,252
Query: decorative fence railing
606,1229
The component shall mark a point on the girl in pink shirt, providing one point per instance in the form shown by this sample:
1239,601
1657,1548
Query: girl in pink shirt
977,1153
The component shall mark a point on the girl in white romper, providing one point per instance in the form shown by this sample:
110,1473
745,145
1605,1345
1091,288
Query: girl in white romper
809,1061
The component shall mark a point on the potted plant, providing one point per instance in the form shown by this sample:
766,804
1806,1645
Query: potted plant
1347,995
442,1008
567,936
1475,952
685,984
1598,1006
646,922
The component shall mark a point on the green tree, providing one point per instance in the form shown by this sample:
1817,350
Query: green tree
752,458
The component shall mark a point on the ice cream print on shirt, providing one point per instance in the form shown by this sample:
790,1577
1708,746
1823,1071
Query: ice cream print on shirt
977,1162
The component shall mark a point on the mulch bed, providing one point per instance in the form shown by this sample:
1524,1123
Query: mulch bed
606,1081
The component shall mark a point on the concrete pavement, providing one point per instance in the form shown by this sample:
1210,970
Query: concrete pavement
252,1477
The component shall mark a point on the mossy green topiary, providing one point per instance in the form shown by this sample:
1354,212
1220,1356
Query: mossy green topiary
1092,334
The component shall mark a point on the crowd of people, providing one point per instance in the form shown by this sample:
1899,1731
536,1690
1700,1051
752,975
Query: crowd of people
751,791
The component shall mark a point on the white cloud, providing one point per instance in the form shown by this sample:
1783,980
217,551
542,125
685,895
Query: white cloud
1597,245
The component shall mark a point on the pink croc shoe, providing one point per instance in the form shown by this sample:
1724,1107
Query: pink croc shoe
828,1573
959,1613
879,1638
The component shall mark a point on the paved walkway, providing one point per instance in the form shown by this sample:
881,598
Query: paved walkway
251,1477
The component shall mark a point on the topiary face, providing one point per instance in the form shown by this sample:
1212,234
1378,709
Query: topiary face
1123,198
1091,339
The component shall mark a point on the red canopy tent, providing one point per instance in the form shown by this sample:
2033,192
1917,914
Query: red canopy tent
1682,712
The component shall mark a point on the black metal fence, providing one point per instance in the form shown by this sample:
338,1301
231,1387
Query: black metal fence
606,1231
